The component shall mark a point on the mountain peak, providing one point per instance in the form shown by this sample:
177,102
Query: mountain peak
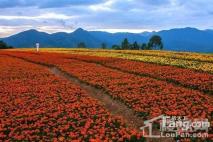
182,39
189,29
31,30
79,30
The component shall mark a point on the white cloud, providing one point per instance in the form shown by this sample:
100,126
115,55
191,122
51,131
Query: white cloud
54,29
42,16
103,6
10,30
107,15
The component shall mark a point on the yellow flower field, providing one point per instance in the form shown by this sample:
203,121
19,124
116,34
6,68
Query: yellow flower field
197,61
180,62
168,54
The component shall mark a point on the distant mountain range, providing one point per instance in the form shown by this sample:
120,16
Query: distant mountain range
184,39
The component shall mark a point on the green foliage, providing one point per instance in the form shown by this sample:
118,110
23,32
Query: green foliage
143,114
155,42
3,45
135,46
103,46
81,45
144,46
116,47
125,44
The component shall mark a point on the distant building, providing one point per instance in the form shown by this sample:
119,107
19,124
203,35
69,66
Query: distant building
37,47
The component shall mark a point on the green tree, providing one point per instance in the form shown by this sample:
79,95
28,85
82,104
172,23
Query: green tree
3,45
144,46
81,45
148,46
125,44
130,46
135,46
155,42
103,46
116,47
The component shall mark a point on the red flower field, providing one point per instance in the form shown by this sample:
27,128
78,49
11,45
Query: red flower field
186,77
36,104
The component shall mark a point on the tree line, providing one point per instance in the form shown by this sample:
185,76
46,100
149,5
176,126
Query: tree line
155,42
3,45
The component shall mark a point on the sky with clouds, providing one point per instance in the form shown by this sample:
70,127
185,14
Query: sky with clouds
106,15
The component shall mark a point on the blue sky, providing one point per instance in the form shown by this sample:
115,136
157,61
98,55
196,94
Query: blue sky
106,15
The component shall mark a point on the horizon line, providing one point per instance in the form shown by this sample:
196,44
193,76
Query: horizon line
113,31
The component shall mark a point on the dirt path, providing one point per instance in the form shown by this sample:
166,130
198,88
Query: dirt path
115,107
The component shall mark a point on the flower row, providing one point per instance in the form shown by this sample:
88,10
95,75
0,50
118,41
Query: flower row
37,106
147,96
179,62
185,77
166,54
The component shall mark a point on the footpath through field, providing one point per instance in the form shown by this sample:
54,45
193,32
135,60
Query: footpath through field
145,96
148,97
36,105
